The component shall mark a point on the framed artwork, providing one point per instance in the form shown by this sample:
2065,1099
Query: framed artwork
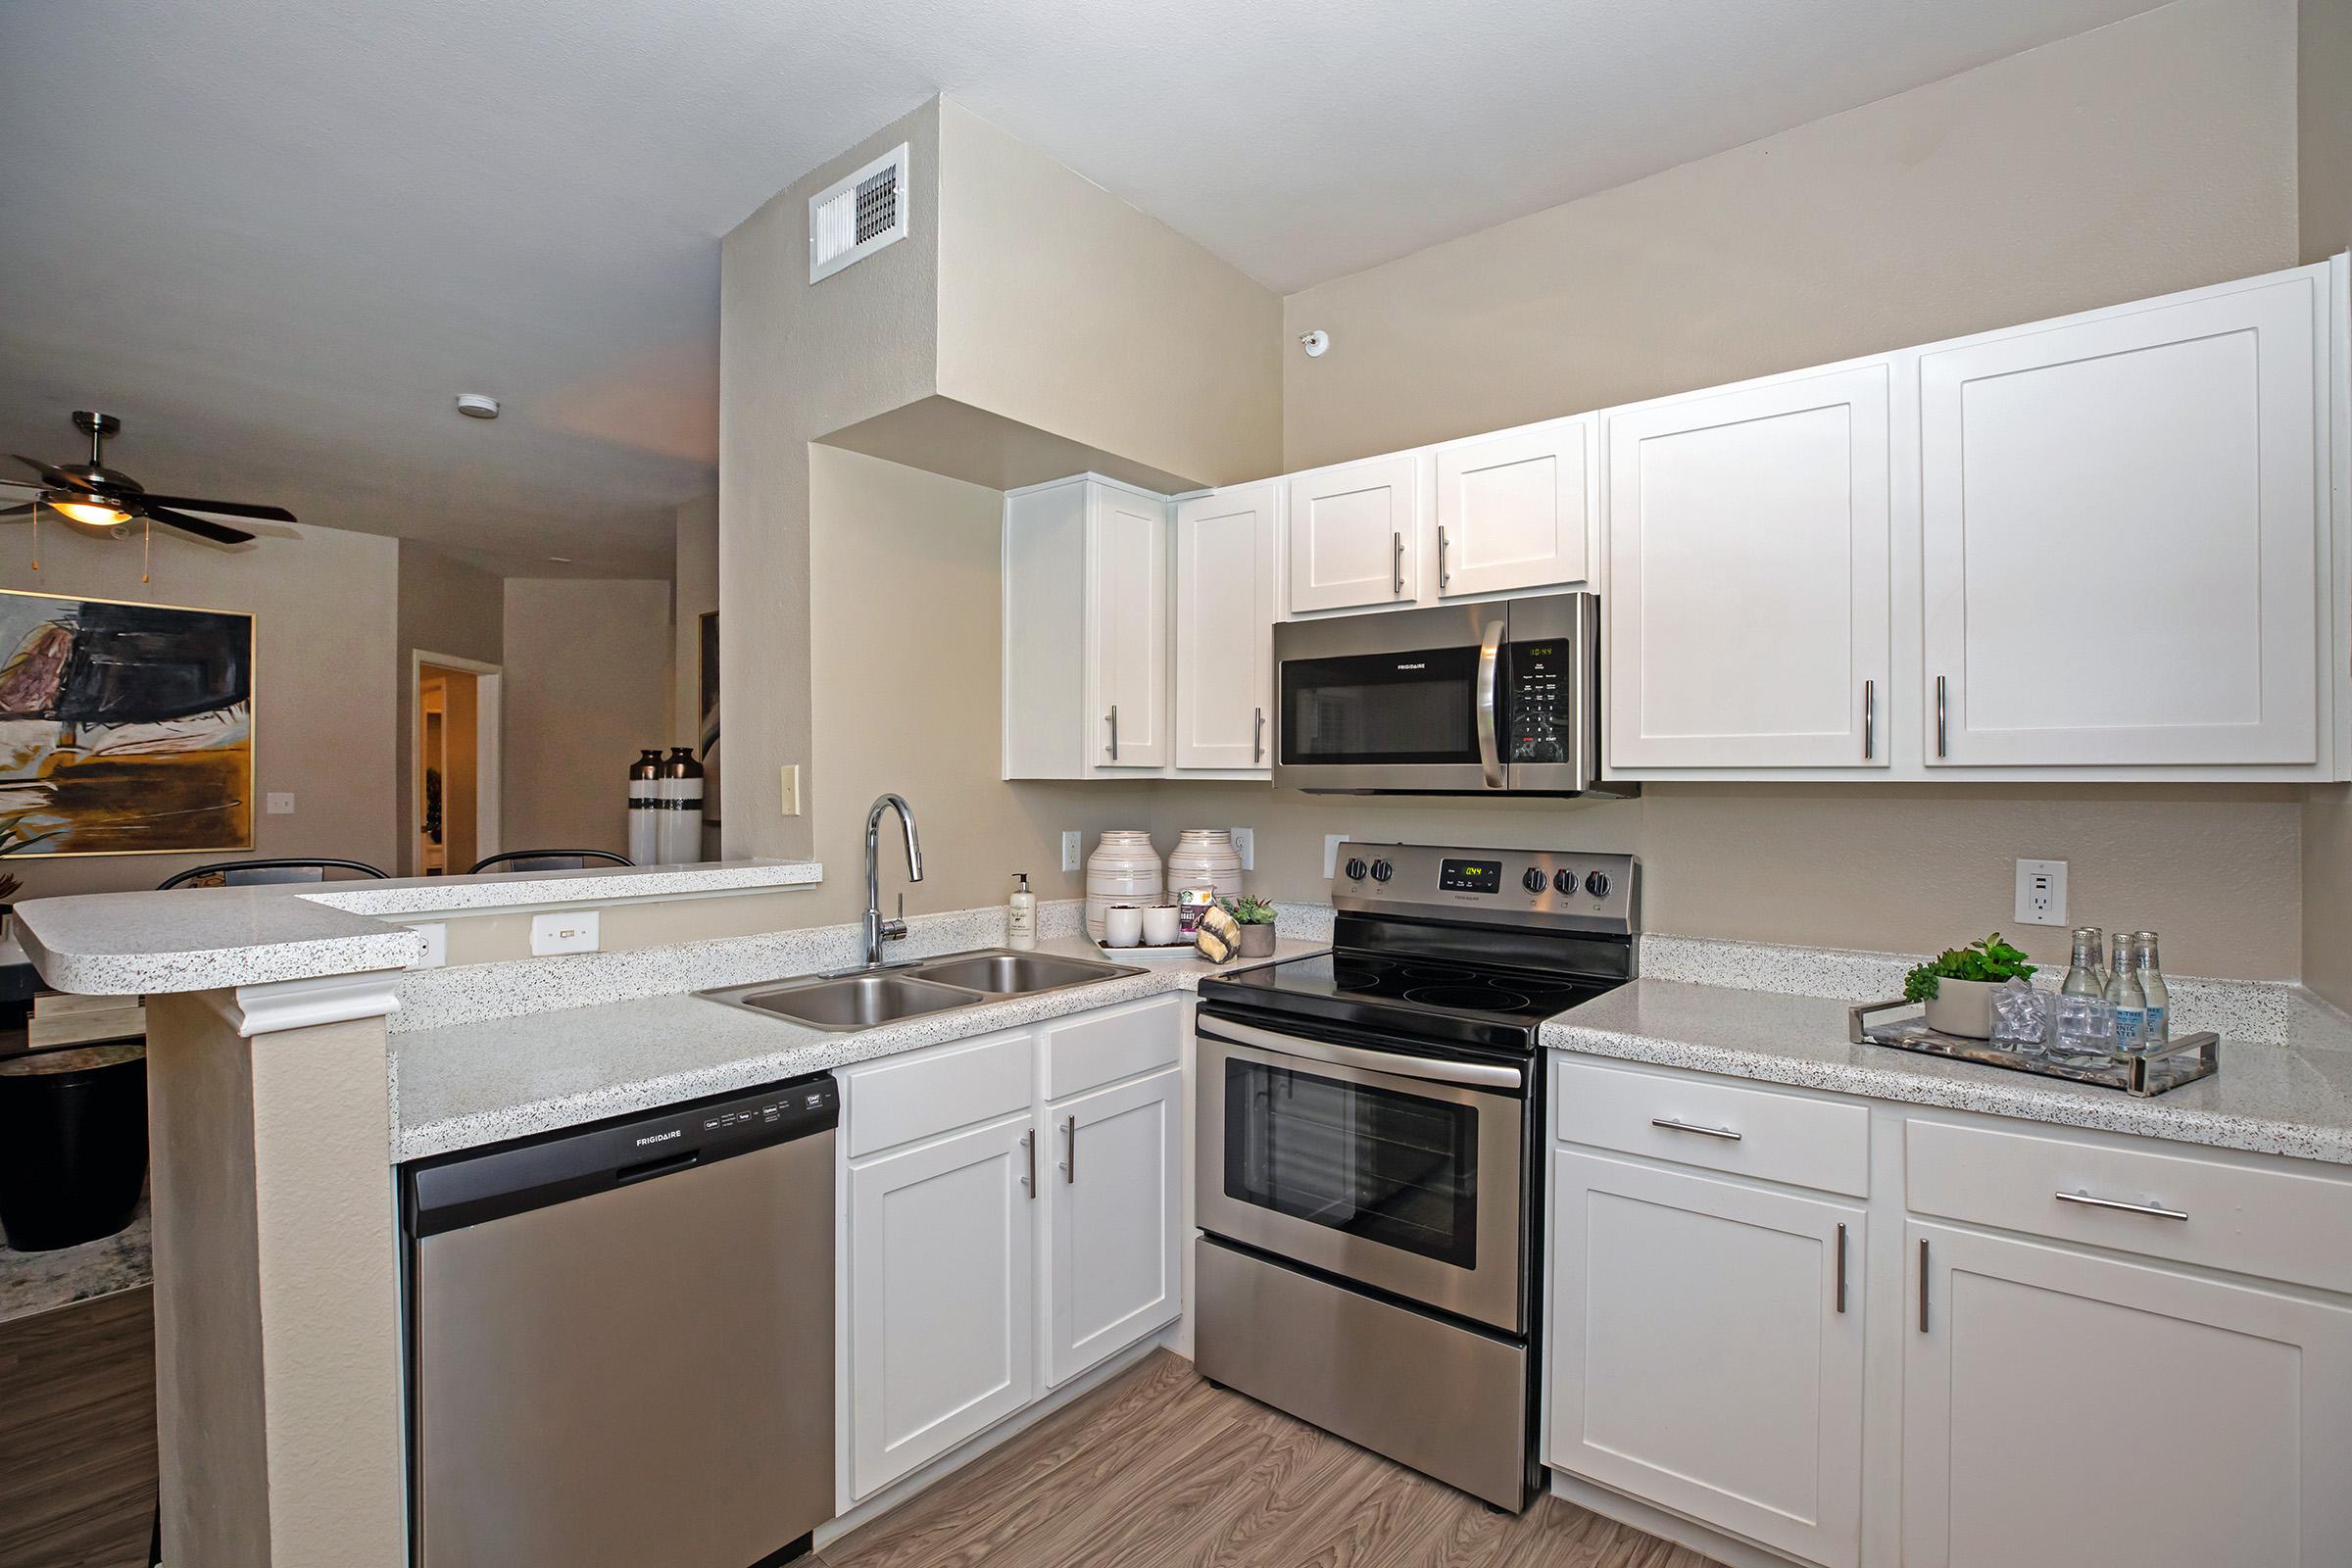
125,728
706,735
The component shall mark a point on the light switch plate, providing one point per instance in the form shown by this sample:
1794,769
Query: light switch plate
564,931
2042,891
1331,854
1070,850
436,945
278,803
1244,845
790,790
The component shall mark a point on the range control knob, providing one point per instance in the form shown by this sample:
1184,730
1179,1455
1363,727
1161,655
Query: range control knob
1535,881
1356,870
1597,884
1565,881
1382,871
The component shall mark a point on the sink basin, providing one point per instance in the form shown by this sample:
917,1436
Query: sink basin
853,1001
1014,974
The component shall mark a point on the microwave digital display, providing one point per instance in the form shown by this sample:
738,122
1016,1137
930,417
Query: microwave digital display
1470,877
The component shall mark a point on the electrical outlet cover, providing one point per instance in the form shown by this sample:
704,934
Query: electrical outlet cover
278,804
1244,845
2042,891
564,931
1070,851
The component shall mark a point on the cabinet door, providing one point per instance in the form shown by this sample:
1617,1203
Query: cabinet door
1705,1357
941,1330
1127,630
1513,509
2121,530
2063,1408
1355,534
1747,591
1113,1263
1225,628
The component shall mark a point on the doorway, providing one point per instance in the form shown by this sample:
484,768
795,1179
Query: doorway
455,776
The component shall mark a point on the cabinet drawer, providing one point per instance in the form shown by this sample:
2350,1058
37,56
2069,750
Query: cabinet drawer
901,1099
2273,1224
1094,1048
1780,1137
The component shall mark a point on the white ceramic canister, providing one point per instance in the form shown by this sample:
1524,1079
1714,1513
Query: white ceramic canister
1206,855
1123,869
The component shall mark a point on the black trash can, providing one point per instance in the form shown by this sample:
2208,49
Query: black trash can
73,1144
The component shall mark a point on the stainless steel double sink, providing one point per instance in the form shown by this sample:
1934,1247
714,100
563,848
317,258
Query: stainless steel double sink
864,998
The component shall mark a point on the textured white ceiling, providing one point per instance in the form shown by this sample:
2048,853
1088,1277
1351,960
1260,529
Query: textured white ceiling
279,236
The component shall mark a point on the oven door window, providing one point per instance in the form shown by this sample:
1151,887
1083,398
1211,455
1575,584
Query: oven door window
1388,1166
1372,709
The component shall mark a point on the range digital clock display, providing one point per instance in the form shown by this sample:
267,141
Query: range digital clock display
1470,877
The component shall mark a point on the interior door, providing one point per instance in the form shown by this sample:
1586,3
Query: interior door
1355,534
1747,593
1225,628
942,1331
1114,1266
1512,509
2065,1407
1127,624
1707,1343
2121,528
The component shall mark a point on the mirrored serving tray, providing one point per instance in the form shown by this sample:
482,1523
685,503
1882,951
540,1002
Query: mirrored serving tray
2182,1061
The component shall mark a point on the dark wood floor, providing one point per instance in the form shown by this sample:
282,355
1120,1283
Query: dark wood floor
78,1435
1156,1469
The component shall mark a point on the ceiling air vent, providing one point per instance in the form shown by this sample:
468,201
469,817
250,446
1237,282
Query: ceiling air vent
859,215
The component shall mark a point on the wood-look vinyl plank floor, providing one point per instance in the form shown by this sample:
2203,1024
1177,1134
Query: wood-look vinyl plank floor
78,1434
1158,1469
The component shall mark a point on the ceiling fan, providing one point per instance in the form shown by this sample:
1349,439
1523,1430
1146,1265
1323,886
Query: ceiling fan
98,497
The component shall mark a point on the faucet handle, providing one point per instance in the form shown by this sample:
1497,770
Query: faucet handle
896,929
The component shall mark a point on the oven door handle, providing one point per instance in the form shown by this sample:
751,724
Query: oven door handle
1490,679
1470,1074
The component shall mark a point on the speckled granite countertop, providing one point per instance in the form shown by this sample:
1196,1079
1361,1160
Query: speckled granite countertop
465,1085
41,1282
2292,1097
206,939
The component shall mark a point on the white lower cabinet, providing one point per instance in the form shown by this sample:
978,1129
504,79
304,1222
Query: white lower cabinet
1114,1255
2064,1408
1707,1348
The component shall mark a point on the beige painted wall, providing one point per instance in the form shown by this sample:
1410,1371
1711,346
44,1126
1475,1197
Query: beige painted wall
909,701
2323,106
445,606
1063,308
694,591
587,687
323,682
2155,154
2328,892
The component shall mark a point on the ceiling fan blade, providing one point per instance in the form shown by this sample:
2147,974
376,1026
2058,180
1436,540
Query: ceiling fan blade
226,508
217,533
12,513
56,478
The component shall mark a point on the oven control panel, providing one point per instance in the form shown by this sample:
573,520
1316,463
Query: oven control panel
1567,889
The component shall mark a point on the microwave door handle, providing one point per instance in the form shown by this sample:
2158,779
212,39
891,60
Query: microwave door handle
1490,681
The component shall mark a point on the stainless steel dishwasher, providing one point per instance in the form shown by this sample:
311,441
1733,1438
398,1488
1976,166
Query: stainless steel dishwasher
621,1339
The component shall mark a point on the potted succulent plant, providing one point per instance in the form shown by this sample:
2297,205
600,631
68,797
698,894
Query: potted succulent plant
1256,918
1958,984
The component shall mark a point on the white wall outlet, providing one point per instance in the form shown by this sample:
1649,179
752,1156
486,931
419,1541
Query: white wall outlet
1070,850
790,790
2042,891
1244,845
564,931
436,945
1331,854
278,803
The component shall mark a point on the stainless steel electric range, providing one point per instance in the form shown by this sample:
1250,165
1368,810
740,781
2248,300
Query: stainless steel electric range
1369,1187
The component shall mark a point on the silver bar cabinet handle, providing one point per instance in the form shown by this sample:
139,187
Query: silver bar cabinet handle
1922,1285
1396,540
1942,728
2152,1210
1869,719
1842,1268
1673,1126
1444,575
1070,1171
1029,1150
1113,718
1257,738
1490,717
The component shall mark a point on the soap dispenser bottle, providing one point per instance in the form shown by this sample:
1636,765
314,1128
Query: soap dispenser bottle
1020,917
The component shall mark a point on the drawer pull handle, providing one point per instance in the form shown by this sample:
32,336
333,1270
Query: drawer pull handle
1673,1126
2152,1210
1922,1285
1841,1268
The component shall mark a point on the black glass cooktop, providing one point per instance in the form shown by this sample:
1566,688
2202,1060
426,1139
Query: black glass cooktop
1435,998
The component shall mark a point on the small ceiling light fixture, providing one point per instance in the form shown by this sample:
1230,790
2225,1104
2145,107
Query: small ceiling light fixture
1316,343
93,514
474,406
560,560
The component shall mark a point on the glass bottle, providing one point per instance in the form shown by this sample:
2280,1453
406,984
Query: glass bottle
2085,976
2130,1004
2158,1028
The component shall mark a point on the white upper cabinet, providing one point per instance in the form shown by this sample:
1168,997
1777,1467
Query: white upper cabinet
2123,533
1086,689
1355,535
1225,611
1514,511
1127,628
1748,586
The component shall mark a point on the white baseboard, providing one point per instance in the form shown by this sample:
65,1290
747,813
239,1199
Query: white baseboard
1733,1551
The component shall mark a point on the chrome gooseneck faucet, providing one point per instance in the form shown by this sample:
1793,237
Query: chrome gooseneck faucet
877,929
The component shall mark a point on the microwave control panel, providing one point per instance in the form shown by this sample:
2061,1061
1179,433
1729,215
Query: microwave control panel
1542,701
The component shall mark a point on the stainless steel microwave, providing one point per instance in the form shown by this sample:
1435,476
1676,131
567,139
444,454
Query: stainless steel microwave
1494,698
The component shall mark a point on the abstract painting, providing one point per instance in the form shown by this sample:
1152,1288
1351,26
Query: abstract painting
125,729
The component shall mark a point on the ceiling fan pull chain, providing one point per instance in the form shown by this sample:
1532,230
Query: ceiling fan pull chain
36,536
147,551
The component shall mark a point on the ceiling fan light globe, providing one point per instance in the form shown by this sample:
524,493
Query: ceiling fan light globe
93,514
